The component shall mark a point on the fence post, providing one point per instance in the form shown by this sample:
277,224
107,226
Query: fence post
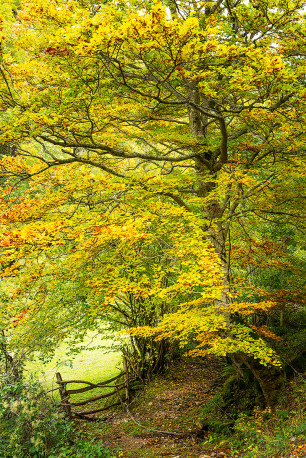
64,395
126,380
120,399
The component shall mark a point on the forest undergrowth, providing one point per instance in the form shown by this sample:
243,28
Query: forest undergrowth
188,413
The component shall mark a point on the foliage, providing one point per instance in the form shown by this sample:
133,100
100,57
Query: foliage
29,424
260,438
85,448
132,273
159,148
32,427
259,433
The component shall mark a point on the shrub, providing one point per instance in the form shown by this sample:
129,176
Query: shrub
31,426
83,449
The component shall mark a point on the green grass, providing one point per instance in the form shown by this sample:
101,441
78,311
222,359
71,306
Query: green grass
91,364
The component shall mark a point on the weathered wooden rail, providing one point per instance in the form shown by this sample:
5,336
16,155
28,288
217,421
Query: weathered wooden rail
121,390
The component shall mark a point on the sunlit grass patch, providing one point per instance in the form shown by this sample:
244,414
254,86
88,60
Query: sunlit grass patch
91,364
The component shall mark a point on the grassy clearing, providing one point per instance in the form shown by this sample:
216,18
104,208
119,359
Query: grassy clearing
91,364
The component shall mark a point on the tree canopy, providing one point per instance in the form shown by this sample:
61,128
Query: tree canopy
157,171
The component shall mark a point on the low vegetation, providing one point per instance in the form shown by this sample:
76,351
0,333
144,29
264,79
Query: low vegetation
187,413
32,426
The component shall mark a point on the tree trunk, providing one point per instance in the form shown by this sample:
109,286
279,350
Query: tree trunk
270,379
13,368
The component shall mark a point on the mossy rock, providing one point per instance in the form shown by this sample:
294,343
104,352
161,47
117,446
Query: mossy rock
241,393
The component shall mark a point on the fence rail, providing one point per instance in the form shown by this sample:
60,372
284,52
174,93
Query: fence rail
67,405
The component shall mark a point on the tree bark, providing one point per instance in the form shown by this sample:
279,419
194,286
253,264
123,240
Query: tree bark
270,379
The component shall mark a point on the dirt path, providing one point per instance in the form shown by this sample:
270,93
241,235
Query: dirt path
163,421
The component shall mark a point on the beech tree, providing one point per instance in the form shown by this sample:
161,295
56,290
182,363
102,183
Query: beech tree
159,128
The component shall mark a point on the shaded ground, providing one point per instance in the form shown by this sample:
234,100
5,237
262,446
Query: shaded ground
163,420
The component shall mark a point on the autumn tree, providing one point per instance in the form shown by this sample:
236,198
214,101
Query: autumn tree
181,113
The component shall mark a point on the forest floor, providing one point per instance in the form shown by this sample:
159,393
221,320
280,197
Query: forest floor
163,419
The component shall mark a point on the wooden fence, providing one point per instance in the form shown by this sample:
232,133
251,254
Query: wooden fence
120,390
